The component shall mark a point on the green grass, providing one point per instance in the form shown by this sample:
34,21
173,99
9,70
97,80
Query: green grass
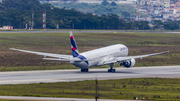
138,44
153,88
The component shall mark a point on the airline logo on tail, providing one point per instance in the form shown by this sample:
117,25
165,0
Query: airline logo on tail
74,48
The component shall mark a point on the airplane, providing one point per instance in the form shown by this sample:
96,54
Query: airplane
98,57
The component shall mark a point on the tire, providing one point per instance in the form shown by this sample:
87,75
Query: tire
112,70
109,70
84,70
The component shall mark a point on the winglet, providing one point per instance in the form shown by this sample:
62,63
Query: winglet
74,48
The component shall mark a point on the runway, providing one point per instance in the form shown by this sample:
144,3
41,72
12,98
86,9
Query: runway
24,77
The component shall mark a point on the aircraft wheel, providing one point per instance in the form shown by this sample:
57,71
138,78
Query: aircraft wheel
112,70
84,70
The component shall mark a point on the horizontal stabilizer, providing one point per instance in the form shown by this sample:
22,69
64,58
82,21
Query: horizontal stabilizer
62,59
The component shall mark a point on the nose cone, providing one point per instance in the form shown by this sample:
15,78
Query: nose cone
80,64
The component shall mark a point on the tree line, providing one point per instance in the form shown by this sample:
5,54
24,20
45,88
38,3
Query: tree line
17,13
98,9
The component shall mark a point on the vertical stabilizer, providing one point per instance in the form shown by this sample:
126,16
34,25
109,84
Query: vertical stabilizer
74,48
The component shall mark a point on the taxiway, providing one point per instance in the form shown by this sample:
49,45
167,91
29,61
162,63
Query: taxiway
23,77
53,99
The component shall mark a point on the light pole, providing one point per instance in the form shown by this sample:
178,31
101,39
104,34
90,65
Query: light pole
96,88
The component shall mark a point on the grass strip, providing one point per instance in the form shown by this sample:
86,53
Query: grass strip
153,88
137,43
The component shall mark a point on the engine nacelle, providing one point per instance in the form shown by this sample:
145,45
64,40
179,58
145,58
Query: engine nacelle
129,63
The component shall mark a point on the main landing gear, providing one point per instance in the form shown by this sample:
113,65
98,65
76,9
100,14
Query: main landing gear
84,70
111,69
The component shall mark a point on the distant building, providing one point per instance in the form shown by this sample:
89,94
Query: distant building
177,15
166,16
156,12
142,2
171,10
6,28
173,5
167,3
178,5
154,2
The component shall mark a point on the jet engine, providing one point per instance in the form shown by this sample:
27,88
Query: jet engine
129,63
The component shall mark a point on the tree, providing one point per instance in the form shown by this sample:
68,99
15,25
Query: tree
171,25
105,2
125,14
113,3
157,24
18,12
22,4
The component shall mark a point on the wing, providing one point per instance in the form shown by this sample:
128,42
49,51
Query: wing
60,56
117,59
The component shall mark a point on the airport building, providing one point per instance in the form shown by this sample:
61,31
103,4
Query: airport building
6,28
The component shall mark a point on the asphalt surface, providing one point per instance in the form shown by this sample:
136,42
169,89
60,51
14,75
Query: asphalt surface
24,77
94,31
53,99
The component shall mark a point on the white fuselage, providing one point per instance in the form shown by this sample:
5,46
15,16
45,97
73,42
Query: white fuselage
97,57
